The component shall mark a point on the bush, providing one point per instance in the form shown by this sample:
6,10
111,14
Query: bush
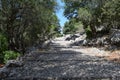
88,32
9,55
3,46
3,43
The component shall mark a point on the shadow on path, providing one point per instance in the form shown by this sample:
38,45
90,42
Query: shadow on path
68,65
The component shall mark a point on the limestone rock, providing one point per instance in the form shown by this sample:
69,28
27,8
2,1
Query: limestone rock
14,63
115,37
46,44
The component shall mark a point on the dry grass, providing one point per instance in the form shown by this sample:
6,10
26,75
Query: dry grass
114,56
108,55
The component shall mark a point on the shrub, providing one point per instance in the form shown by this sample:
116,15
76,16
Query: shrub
3,43
9,55
3,46
88,32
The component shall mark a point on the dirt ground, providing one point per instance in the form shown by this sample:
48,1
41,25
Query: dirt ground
114,56
108,55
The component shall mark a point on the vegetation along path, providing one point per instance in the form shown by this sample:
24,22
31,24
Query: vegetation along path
64,62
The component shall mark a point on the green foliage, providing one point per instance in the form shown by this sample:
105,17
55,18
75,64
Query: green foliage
94,13
72,26
69,27
3,46
28,22
3,43
88,32
84,14
25,23
84,11
111,13
10,55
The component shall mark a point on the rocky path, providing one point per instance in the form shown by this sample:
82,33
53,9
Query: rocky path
64,62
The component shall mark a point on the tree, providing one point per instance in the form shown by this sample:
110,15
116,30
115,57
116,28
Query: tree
27,22
111,14
89,12
72,26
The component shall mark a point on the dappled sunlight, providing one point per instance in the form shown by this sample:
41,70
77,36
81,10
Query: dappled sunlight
66,62
59,40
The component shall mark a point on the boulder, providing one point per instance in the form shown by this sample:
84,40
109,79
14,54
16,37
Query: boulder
46,44
81,35
77,43
114,37
100,41
78,39
84,43
67,37
72,37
